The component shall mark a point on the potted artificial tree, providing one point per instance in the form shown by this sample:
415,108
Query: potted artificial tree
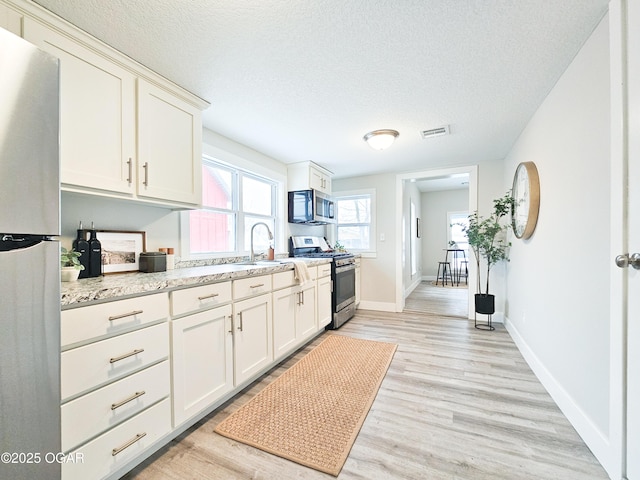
70,265
487,240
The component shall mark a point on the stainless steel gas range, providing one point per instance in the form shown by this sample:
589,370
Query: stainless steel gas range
343,275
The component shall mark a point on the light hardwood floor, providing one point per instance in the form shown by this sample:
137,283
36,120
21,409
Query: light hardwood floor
457,403
445,301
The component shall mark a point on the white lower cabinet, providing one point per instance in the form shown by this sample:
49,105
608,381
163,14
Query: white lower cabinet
252,336
324,309
284,322
123,443
115,383
127,372
202,356
98,411
294,313
92,366
306,324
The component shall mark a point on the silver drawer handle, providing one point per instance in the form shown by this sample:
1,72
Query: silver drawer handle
126,355
256,286
116,451
125,315
127,400
204,297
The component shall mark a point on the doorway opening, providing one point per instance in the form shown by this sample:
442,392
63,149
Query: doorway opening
426,249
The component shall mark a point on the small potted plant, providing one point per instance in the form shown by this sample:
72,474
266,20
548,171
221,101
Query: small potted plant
70,265
487,240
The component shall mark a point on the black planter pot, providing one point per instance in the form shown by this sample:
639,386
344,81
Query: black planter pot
485,303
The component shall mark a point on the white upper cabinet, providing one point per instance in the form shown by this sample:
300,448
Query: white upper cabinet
125,132
169,146
10,20
306,175
97,114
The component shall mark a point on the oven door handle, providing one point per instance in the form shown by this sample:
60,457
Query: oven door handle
345,268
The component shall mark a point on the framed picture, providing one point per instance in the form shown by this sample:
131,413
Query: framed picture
121,250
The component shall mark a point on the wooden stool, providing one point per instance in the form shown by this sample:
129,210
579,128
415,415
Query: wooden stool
446,268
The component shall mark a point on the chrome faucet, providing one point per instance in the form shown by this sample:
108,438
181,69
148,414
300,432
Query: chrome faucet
252,257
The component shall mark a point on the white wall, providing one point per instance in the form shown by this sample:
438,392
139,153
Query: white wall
558,281
435,209
377,272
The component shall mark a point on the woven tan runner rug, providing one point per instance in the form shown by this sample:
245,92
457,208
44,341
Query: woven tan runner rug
313,412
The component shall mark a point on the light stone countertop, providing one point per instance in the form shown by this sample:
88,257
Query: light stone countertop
88,291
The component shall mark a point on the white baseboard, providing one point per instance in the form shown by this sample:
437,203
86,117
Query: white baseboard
412,287
380,306
597,442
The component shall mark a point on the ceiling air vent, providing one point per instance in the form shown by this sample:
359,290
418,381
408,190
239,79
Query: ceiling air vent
435,132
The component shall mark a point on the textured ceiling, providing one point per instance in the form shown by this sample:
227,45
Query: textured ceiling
306,79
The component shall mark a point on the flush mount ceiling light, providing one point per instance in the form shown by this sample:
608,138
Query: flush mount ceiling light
380,139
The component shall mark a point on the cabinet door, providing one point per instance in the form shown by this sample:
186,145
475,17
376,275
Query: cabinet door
284,323
202,361
324,302
319,181
253,347
97,114
169,146
306,312
10,20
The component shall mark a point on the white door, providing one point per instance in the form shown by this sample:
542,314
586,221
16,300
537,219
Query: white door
625,196
633,245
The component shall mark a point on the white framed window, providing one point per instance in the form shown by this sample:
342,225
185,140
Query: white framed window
355,226
456,221
233,200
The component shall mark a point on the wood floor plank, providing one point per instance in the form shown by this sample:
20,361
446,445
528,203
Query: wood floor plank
457,403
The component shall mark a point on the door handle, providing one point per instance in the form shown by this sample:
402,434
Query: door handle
623,261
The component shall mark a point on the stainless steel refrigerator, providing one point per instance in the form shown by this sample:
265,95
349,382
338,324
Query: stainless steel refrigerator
29,262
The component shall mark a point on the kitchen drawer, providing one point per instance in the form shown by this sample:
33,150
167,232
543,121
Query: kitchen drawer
284,279
200,298
288,278
248,287
109,452
99,363
102,409
95,322
324,270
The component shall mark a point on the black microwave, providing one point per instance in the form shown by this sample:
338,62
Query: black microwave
310,206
